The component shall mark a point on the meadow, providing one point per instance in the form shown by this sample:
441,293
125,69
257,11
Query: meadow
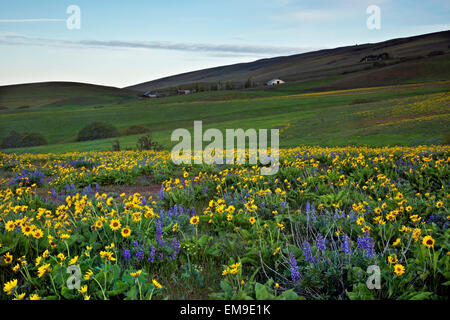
408,114
139,227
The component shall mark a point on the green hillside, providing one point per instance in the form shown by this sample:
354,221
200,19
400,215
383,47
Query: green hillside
412,59
403,114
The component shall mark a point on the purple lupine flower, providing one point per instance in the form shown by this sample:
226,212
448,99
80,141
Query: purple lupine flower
295,274
136,244
320,243
307,252
152,254
367,244
161,193
175,247
140,254
158,233
346,244
126,254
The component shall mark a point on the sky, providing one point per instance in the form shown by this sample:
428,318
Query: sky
121,43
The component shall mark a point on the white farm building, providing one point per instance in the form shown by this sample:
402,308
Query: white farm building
274,82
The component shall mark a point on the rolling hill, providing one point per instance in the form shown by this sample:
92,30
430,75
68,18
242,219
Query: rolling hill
407,61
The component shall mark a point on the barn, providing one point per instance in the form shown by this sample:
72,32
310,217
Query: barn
274,82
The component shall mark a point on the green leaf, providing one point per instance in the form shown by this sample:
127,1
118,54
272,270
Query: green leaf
421,296
261,292
289,295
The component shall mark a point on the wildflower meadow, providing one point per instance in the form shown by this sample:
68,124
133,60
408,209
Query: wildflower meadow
332,223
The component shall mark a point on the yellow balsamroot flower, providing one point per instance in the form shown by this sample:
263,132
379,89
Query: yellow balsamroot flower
360,221
8,258
114,224
83,289
194,220
229,217
98,224
86,297
10,225
61,257
175,227
45,254
399,269
156,284
252,220
37,234
428,241
126,232
230,209
416,234
44,269
27,230
73,260
9,286
108,255
88,274
392,259
38,261
234,270
276,251
34,296
16,267
396,242
281,226
136,274
20,296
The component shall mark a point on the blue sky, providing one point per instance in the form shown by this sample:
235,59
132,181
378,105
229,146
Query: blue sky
121,43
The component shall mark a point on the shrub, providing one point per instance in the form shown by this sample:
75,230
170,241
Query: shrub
146,143
11,141
29,139
435,53
136,129
25,139
97,130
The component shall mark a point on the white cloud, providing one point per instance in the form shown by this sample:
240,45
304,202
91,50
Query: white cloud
19,39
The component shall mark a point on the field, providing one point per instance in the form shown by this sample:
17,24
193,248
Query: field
225,232
410,114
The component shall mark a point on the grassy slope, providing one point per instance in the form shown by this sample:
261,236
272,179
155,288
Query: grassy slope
320,65
406,114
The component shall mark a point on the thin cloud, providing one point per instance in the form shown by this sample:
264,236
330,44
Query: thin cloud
18,39
30,20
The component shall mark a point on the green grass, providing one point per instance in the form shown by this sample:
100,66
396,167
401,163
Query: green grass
373,116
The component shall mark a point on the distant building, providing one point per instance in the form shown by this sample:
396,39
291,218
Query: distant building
150,94
274,82
186,91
